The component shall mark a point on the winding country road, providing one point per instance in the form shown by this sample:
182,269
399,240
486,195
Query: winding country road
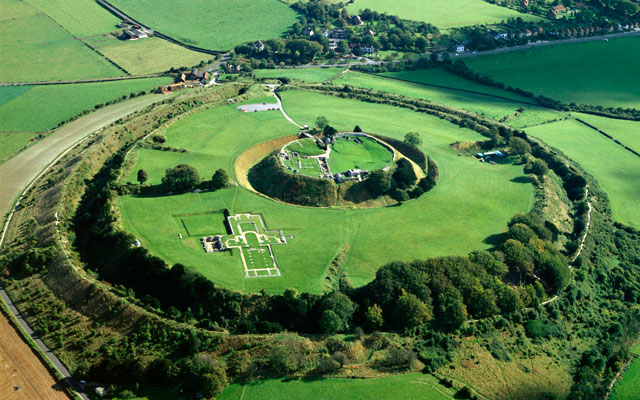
16,176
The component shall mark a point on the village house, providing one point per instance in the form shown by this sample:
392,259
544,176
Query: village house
501,35
356,20
459,48
259,45
367,49
557,11
308,31
338,33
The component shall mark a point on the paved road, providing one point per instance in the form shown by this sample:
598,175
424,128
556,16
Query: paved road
545,43
18,174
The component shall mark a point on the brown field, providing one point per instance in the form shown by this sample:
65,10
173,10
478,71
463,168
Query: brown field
22,374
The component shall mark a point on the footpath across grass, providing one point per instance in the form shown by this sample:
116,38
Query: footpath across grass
471,201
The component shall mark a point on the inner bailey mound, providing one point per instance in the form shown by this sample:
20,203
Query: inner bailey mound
270,178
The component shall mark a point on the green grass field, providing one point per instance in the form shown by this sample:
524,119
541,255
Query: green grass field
215,138
616,169
441,13
491,107
398,387
471,202
627,132
146,56
16,115
305,147
80,17
311,75
570,72
11,143
369,155
216,25
627,388
43,50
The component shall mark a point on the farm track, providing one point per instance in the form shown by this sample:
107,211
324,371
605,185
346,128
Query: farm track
16,177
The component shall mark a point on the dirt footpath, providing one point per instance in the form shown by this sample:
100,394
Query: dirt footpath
22,374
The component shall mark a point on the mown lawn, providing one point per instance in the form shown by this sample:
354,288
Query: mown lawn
488,106
11,143
311,75
616,169
35,48
56,103
471,202
147,55
218,25
596,72
398,387
369,155
442,13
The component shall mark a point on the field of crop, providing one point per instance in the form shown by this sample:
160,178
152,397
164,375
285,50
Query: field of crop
616,169
80,17
216,25
486,105
627,132
442,13
570,72
471,202
22,374
16,115
11,143
43,50
369,155
146,56
311,75
79,97
406,387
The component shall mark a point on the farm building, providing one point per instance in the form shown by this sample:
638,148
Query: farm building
172,88
134,34
194,75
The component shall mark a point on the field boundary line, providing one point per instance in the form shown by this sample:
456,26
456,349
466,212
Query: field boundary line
603,133
495,96
122,15
90,80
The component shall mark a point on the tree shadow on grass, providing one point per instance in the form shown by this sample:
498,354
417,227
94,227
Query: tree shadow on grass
522,179
496,239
